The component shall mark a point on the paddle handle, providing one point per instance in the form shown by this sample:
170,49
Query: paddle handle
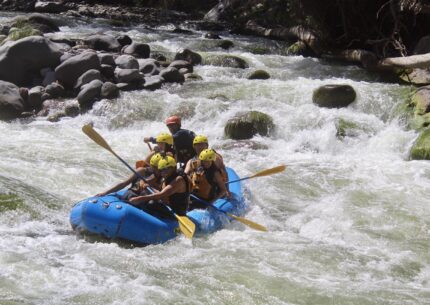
237,180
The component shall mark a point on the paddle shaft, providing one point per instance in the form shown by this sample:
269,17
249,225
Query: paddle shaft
237,180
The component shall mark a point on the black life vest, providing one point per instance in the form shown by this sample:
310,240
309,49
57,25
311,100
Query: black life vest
178,201
183,145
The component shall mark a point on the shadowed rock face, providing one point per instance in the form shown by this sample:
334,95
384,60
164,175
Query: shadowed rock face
21,60
246,125
11,102
334,96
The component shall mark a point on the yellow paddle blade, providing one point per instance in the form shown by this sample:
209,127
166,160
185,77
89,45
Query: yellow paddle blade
249,223
270,171
186,226
92,134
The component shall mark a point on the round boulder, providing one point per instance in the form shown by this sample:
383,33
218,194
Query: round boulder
127,62
109,90
89,93
259,74
190,56
102,43
222,60
334,96
172,75
11,102
138,50
421,148
71,69
246,125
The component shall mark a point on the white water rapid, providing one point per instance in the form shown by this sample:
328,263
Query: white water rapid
349,219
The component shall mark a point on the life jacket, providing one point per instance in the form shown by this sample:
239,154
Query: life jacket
195,163
178,201
203,180
183,145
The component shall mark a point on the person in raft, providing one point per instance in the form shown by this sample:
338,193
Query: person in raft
206,180
182,140
175,191
164,146
138,186
201,143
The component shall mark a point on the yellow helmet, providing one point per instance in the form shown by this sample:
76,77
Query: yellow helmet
207,155
166,162
164,138
200,139
155,159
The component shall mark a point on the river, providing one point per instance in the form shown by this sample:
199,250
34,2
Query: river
349,219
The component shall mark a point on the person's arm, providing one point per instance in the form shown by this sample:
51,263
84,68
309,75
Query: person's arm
121,185
188,167
221,186
170,189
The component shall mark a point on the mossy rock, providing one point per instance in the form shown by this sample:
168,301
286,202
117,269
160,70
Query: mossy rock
421,101
415,76
259,74
211,44
245,126
334,96
345,128
222,60
19,33
10,202
298,48
258,49
421,149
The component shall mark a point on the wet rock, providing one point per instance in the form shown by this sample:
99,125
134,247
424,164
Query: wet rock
55,90
130,86
345,128
72,108
127,75
222,60
43,23
56,116
416,76
11,102
172,75
48,78
181,31
423,45
106,59
35,97
149,66
259,74
299,48
107,71
334,96
153,82
87,77
421,149
246,125
49,7
102,43
180,64
421,101
109,90
190,56
22,60
138,50
127,62
89,94
71,69
124,40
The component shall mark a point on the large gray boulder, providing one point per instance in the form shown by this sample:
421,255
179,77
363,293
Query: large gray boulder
90,93
71,69
22,60
11,102
35,97
101,42
87,77
190,56
225,60
138,50
127,62
127,75
172,75
246,125
334,96
109,90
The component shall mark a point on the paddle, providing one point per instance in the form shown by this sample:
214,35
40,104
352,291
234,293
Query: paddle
245,221
186,226
262,173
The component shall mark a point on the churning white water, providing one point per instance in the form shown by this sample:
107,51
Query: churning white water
349,219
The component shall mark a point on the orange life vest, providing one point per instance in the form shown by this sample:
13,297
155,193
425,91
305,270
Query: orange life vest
203,184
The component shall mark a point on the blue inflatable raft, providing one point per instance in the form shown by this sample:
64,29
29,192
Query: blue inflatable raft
113,218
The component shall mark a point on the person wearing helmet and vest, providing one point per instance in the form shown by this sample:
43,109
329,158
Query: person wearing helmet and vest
138,186
182,140
175,191
206,180
164,143
201,143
